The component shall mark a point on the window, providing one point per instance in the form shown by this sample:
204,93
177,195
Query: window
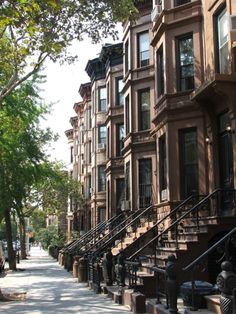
225,151
89,118
127,181
160,72
101,179
179,2
126,56
127,124
143,49
120,186
102,132
145,182
101,214
119,94
144,109
102,100
162,167
93,102
89,151
71,154
223,37
119,139
185,63
188,162
108,94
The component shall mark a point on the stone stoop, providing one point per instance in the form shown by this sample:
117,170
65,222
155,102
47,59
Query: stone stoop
213,303
147,284
134,300
153,308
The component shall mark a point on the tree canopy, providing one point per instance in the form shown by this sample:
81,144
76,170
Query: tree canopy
33,30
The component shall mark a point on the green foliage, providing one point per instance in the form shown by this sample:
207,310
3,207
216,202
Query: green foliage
3,230
31,31
21,145
50,236
37,220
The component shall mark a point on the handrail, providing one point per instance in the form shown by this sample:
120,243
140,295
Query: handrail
185,202
200,203
101,241
102,226
88,233
212,248
110,240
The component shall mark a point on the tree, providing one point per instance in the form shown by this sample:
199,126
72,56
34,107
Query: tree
21,152
32,31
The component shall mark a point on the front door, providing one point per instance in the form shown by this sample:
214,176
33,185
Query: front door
226,160
145,182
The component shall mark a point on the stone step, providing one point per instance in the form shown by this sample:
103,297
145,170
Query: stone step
153,308
213,303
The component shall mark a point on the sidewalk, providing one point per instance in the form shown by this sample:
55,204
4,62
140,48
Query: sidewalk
51,289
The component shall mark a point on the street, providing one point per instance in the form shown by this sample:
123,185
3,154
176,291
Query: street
51,289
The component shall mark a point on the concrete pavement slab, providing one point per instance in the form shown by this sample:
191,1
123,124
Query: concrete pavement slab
51,289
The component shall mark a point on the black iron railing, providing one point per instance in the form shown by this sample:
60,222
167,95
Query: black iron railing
194,264
126,228
159,226
93,235
210,205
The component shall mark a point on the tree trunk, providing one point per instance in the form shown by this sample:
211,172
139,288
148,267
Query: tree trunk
11,252
22,238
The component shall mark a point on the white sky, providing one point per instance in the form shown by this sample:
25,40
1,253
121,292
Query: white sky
61,88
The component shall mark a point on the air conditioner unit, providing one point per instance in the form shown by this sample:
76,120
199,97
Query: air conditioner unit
232,27
156,12
101,146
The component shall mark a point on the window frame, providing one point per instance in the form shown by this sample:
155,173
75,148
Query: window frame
127,114
218,65
183,164
178,63
141,62
102,139
102,107
181,2
160,71
119,140
101,178
142,113
119,94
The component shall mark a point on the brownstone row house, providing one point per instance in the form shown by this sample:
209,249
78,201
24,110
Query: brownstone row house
157,121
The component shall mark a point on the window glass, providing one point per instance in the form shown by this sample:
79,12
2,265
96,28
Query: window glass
127,123
102,101
102,132
223,31
189,161
143,54
145,182
144,107
119,94
186,63
120,139
101,179
160,72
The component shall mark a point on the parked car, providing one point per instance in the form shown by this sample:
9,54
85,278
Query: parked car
2,257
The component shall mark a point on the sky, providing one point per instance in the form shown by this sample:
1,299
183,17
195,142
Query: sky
61,89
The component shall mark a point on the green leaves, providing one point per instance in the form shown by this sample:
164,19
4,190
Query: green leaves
31,31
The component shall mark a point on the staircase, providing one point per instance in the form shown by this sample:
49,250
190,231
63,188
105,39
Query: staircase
192,225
